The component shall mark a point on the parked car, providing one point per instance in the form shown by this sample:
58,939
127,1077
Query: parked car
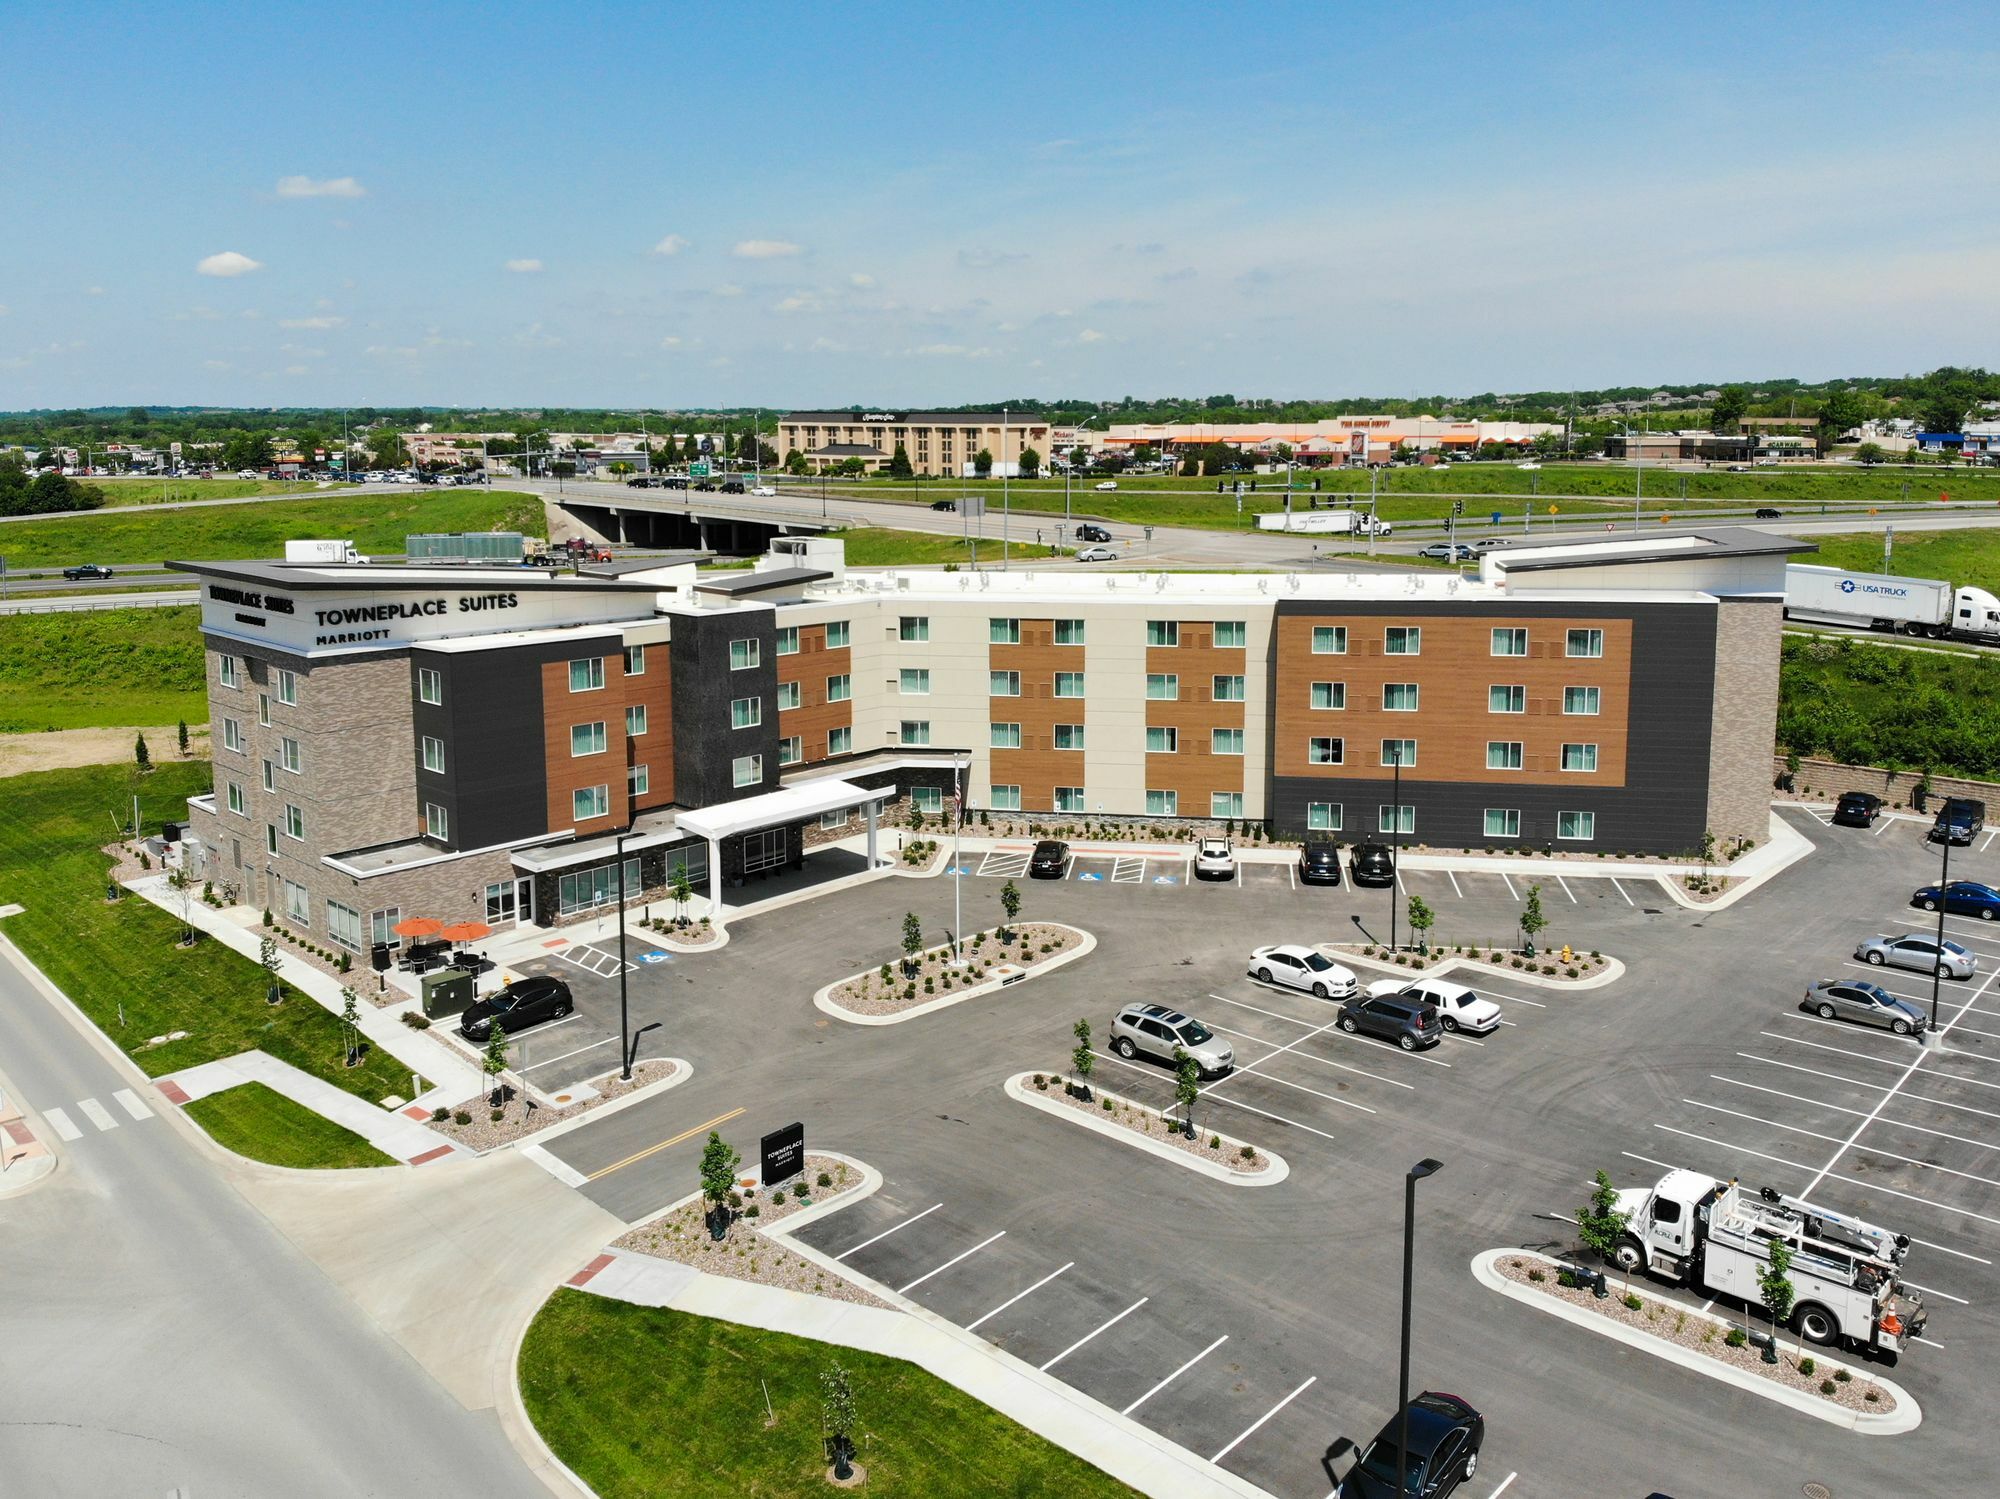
1154,1031
1372,864
1319,862
1214,859
1458,1007
1410,1023
1106,484
1049,861
1961,898
1097,554
523,1003
1298,966
1857,809
1447,551
1960,820
944,504
767,491
1767,512
1920,954
86,572
1090,531
1445,1435
1865,1003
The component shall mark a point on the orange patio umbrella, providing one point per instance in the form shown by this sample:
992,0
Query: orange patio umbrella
418,926
466,931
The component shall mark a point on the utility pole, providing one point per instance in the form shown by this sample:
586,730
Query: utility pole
1005,507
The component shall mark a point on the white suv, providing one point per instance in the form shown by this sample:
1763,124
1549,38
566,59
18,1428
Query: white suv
1154,1031
1214,860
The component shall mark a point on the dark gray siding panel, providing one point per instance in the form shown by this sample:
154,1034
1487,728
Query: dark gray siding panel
704,743
495,783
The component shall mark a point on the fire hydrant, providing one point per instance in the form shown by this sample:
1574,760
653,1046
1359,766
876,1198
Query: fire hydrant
1568,956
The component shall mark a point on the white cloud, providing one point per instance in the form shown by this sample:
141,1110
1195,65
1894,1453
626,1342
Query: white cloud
215,364
327,187
3,309
524,267
826,346
1090,336
728,289
673,244
798,301
765,249
311,322
93,291
953,351
861,278
295,369
227,263
671,341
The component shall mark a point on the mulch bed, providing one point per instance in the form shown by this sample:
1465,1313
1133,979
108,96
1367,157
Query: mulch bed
1033,942
519,1123
745,1252
1678,1325
1141,1120
1545,963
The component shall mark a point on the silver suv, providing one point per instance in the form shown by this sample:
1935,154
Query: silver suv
1154,1031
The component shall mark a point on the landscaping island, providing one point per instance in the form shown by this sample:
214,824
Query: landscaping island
926,978
1212,1153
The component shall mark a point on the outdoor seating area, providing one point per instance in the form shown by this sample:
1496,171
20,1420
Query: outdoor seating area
431,945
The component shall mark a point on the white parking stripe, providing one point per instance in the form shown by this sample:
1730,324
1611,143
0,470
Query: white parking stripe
1972,931
1859,1056
1308,1025
888,1231
1902,1043
974,1326
1852,1181
1812,1134
1252,1427
129,1102
1566,890
1510,886
1963,1108
567,1055
905,1290
1322,1061
1989,839
1454,884
60,1123
1175,1375
1933,1291
1229,1102
1922,1129
1094,1332
97,1113
1620,889
1301,1087
1887,823
1504,1484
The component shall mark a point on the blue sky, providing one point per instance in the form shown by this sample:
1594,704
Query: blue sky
691,205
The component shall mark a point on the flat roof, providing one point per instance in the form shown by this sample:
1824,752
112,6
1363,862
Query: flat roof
760,580
347,577
1722,543
790,804
867,418
648,830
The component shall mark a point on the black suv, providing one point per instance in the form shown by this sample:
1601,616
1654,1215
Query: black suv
732,486
1857,809
1049,861
1319,862
1410,1023
1372,864
1959,820
526,1002
1088,532
944,504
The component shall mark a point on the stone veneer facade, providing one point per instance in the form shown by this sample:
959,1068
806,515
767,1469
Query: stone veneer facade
1744,721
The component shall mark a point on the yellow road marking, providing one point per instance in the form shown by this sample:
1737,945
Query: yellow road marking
641,1155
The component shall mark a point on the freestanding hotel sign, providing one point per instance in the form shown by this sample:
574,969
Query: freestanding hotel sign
783,1155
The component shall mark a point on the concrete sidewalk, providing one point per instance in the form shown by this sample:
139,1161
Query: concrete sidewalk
388,1130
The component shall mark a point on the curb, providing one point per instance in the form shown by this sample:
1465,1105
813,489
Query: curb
526,1437
1906,1417
683,1070
1279,1169
661,939
1782,833
823,998
1614,972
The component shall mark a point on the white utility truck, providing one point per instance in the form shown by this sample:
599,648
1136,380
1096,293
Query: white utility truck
1714,1237
322,551
1325,522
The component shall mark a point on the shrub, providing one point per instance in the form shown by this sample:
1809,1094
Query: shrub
267,916
800,1194
1708,1333
1537,1276
1041,1082
1808,1364
1595,953
1842,1375
1632,1302
1566,1279
1737,1337
753,1211
1215,1142
461,1117
824,1179
1826,1386
777,1196
1107,1105
438,1116
1570,972
416,1020
1871,1396
495,1115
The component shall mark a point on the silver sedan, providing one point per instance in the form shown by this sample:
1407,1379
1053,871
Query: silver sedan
1920,954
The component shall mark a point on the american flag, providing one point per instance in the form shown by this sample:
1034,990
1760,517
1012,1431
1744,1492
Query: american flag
958,795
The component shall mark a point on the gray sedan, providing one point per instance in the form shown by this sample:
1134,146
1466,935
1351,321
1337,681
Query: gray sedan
1869,1004
1920,954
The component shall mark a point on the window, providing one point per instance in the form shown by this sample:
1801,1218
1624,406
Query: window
635,660
1231,634
1329,640
839,741
1069,632
1006,798
1162,741
1503,822
1580,700
430,686
830,822
1399,697
270,776
1163,804
746,655
264,709
500,902
225,668
382,926
1506,700
1576,825
1399,752
1228,689
588,738
586,675
1579,757
914,627
1403,640
1225,804
1324,751
635,720
1324,817
587,802
298,904
1003,683
288,688
1163,632
1069,736
837,635
1510,642
584,889
1003,632
791,750
1503,754
1003,736
1162,686
639,778
927,799
433,755
839,689
1396,819
1329,695
1225,742
788,697
746,712
1069,684
915,681
235,798
270,837
436,824
232,735
343,926
1585,643
788,640
915,731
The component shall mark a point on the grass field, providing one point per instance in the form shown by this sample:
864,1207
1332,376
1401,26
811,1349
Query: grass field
1964,558
869,547
644,1401
105,955
377,523
163,491
100,668
1877,705
263,1124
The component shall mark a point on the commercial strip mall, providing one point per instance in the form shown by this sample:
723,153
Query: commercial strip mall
456,740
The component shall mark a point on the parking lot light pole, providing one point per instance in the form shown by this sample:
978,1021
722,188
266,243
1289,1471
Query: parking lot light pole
1396,833
624,1020
1425,1167
1937,968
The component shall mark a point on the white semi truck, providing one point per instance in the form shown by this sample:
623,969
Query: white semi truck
1882,601
322,551
1325,522
1714,1237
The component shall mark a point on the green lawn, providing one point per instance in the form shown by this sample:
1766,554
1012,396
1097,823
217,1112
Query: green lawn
377,523
104,955
644,1401
1866,704
870,547
99,668
1962,557
161,491
263,1124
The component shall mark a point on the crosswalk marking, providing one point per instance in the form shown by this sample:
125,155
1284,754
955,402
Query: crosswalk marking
131,1103
60,1123
97,1113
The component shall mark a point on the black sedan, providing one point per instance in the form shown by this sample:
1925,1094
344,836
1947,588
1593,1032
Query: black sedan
1049,861
1857,809
1445,1437
1766,512
529,1001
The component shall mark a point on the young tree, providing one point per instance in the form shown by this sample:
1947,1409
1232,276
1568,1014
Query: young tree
1532,919
1870,454
269,961
1080,1060
796,465
350,1023
181,882
1031,463
982,463
719,1161
1422,919
1600,1223
181,736
913,942
141,754
494,1063
1728,409
899,463
681,891
1010,903
1838,413
1187,1087
838,1419
1775,1289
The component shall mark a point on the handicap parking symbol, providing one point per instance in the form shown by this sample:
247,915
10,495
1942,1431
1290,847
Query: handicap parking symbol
958,869
655,956
1165,879
1090,876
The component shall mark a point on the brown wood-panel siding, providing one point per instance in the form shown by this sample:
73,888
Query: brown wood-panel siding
1193,771
565,773
1037,767
655,748
810,666
1453,672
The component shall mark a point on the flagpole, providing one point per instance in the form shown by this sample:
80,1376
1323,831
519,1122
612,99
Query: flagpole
957,858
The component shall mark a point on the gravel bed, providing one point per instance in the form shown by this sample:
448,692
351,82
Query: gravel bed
694,934
1141,1120
1712,889
745,1251
866,994
1663,1319
1546,963
484,1134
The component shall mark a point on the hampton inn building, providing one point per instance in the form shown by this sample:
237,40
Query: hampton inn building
393,740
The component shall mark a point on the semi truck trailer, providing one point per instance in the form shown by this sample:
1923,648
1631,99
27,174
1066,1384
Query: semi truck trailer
1325,522
1928,607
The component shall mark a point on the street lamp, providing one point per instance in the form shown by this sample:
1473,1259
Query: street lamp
1937,968
626,1042
1396,834
1425,1167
